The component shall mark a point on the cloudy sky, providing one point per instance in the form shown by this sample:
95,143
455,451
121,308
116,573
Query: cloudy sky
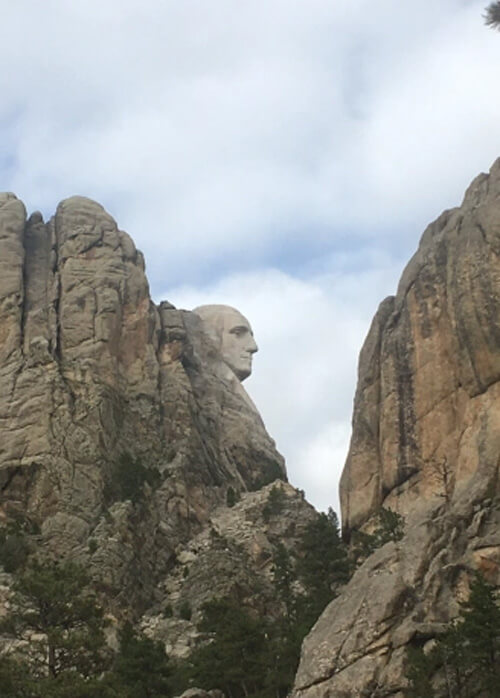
282,156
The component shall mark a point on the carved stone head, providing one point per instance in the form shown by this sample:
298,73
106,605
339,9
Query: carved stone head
232,334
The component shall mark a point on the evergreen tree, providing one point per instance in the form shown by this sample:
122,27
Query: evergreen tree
232,497
14,681
234,658
59,629
323,564
480,634
249,657
127,480
468,653
492,16
389,527
141,668
284,576
286,633
419,674
53,606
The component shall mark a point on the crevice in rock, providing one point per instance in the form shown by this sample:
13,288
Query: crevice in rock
57,289
483,233
23,300
337,672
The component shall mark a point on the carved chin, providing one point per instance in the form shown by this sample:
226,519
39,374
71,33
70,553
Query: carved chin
241,372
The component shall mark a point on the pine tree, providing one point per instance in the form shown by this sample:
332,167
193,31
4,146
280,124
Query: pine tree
287,632
249,657
480,632
58,628
419,674
492,16
283,577
468,653
141,668
323,564
234,658
389,527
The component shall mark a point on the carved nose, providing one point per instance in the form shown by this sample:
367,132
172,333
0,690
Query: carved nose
253,346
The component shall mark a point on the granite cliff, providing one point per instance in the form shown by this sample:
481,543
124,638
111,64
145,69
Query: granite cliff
425,443
127,444
99,386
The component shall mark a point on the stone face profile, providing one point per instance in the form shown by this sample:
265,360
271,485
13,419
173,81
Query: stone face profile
232,335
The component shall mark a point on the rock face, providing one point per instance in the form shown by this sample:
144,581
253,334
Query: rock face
426,443
93,378
233,557
404,594
426,420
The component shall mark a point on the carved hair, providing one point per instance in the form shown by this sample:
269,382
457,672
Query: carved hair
213,318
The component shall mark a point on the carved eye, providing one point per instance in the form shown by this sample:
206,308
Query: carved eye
238,331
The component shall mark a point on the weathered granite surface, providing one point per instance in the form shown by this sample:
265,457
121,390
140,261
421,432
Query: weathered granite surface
233,557
405,593
426,415
91,369
426,443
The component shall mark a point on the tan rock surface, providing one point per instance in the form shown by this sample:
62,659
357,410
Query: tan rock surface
405,592
425,420
426,443
90,370
233,557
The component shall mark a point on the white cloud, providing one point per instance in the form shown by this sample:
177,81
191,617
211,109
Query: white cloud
206,127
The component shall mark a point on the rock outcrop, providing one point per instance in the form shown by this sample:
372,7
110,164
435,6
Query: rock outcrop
425,443
232,558
425,421
404,594
93,378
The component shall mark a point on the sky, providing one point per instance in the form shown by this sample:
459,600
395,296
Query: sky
280,156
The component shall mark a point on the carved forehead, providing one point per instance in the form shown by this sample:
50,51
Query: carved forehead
221,317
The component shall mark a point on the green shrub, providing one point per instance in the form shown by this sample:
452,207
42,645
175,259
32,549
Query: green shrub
232,497
141,668
467,653
127,479
185,611
274,504
270,472
14,550
218,540
390,527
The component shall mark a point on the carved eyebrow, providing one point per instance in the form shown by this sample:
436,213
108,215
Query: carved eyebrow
238,329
